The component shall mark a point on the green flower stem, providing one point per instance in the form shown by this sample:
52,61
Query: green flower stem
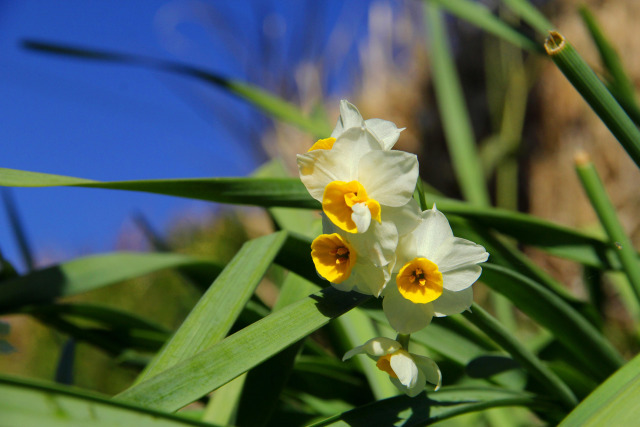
483,320
595,93
455,118
609,220
421,197
404,340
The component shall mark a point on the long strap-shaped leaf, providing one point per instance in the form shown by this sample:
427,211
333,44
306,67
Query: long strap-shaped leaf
266,192
428,408
92,272
29,403
479,15
289,192
550,311
216,311
614,403
219,364
270,104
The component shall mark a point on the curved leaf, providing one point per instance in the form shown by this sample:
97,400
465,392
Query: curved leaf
614,403
216,311
92,272
30,403
211,368
270,104
428,408
283,192
550,311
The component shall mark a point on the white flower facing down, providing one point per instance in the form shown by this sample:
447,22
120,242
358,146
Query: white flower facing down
355,262
434,272
355,178
407,371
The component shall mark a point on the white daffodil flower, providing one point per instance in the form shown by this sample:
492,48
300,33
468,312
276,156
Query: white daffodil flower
434,272
360,262
355,179
407,371
385,131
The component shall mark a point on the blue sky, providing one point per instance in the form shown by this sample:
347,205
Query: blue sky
113,122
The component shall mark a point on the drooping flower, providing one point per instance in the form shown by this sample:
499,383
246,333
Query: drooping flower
407,371
356,179
434,272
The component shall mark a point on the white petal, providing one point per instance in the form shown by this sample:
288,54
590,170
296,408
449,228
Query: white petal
378,244
431,233
405,368
404,316
453,302
461,278
320,167
351,147
406,218
389,176
361,216
376,347
406,251
349,117
366,278
455,253
429,369
386,131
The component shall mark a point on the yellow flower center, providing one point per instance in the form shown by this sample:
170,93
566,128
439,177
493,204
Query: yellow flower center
420,281
338,200
333,257
323,144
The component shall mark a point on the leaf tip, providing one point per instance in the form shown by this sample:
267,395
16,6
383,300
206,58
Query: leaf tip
554,43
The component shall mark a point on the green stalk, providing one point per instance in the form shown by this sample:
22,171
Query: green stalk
530,15
490,326
456,122
620,84
479,15
595,93
609,220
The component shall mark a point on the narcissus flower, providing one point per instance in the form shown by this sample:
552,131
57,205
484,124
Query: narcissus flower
385,131
356,179
434,272
360,262
407,371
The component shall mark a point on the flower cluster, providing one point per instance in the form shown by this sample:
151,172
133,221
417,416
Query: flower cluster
376,241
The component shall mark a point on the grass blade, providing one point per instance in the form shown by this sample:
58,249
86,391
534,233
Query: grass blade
538,371
550,311
480,16
613,403
219,364
216,311
430,408
595,93
266,102
620,84
532,16
609,219
266,192
92,272
456,122
29,403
